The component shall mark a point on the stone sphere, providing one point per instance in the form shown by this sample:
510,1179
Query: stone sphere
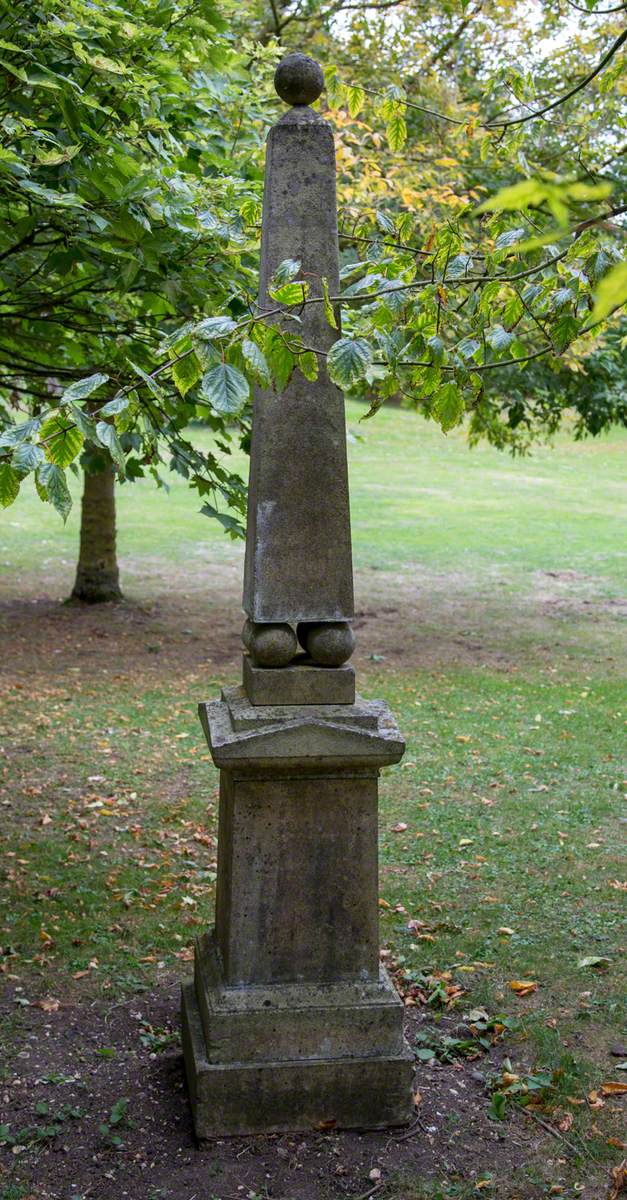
298,79
331,644
247,632
272,645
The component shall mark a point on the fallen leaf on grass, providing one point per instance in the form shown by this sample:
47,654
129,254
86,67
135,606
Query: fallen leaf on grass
614,1088
619,885
595,960
523,987
619,1180
506,929
565,1123
48,1005
595,1100
612,1141
400,828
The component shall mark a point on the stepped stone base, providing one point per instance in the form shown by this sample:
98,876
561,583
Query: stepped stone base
289,1023
293,1057
301,683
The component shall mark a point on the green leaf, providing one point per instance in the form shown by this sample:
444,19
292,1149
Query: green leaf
396,132
61,440
437,348
290,293
85,423
448,406
498,1105
385,223
564,331
225,388
285,272
9,485
108,438
186,372
117,405
594,960
513,311
151,383
468,347
611,292
83,388
14,434
356,100
255,362
560,298
52,486
280,359
27,457
213,328
231,524
250,211
527,193
348,360
499,338
308,365
118,1112
509,238
328,307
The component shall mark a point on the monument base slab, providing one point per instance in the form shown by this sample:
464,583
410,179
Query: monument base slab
350,1091
301,683
290,1023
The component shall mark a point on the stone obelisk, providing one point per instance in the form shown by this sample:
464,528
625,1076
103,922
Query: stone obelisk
290,1022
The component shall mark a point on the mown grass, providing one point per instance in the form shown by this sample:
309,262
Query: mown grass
509,790
417,497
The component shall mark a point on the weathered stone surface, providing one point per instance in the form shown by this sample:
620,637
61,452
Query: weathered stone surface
292,1021
245,715
298,547
309,738
328,645
299,79
297,891
298,683
271,645
255,1097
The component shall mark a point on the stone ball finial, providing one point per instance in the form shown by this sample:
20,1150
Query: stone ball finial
298,79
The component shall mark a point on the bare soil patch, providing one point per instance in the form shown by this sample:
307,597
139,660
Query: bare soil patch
414,619
80,1061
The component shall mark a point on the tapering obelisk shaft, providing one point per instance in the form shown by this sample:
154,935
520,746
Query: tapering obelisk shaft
298,546
289,1022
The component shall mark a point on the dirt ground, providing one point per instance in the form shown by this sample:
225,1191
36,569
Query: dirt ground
59,1078
61,1069
407,619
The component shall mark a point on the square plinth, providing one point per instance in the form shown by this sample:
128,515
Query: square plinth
364,1090
300,683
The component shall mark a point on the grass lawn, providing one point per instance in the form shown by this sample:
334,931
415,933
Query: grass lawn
489,617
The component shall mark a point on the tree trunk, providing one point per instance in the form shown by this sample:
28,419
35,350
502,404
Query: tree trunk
97,575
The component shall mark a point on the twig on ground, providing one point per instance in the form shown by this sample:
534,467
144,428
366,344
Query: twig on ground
551,1129
371,1192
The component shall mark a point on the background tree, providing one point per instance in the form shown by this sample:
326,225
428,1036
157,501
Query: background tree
480,175
120,215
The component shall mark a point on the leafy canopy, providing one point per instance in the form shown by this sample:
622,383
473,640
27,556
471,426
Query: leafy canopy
480,226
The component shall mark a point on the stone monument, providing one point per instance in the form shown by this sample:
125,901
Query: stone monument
290,1022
